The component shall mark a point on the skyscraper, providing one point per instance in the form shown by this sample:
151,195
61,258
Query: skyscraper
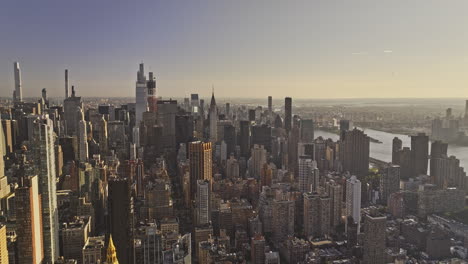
29,219
44,156
438,151
308,174
258,249
67,90
282,219
4,187
70,105
397,145
390,182
447,172
18,93
270,104
354,152
335,192
287,113
3,245
307,130
151,94
257,159
120,218
244,138
213,120
140,95
316,215
200,156
353,199
82,136
203,202
345,125
419,154
374,239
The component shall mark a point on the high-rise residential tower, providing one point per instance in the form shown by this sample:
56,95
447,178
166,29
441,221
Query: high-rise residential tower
270,104
29,219
43,150
82,136
354,152
308,174
203,202
353,199
287,113
67,91
140,95
419,154
307,130
244,138
18,93
316,215
397,145
390,182
374,239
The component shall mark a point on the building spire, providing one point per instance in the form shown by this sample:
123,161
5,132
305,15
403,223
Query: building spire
213,100
111,257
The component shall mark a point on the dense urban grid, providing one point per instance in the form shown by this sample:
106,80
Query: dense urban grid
156,180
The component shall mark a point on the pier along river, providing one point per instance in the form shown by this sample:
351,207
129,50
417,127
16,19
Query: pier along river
383,151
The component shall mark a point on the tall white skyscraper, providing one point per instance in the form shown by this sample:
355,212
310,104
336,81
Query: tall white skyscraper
203,202
140,94
82,136
18,94
353,199
43,151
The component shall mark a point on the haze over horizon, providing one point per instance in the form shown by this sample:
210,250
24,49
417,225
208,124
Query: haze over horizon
302,49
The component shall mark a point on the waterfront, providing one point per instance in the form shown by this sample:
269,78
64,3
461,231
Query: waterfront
383,151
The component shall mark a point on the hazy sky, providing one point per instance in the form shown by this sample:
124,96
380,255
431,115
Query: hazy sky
307,49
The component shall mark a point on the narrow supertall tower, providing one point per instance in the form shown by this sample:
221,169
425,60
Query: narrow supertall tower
18,94
151,89
66,84
140,95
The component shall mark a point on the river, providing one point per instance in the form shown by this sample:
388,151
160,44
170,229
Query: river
383,151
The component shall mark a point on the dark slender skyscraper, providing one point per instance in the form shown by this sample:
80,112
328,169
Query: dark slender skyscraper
397,145
270,104
287,113
244,138
120,218
419,153
67,91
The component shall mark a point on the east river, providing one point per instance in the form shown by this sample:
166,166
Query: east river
383,151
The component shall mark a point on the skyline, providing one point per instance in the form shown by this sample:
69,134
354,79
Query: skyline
397,49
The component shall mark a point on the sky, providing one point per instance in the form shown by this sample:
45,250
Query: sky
244,48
